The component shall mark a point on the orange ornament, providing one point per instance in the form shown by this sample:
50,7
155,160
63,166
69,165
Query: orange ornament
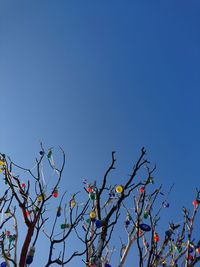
156,238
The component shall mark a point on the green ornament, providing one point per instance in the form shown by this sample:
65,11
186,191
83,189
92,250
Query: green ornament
146,214
88,220
92,196
65,225
36,208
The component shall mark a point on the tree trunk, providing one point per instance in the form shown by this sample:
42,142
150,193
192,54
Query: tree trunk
25,247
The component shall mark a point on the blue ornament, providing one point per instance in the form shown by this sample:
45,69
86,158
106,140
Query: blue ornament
107,265
145,227
3,264
165,204
29,259
190,250
98,224
127,222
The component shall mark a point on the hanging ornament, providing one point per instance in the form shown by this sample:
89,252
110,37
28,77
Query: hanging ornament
40,197
30,255
127,222
72,203
92,196
198,250
12,238
49,154
41,153
65,225
156,238
7,212
195,203
145,227
165,204
89,189
92,215
2,163
141,190
3,264
146,214
27,213
98,223
59,211
190,249
190,257
119,189
23,185
107,265
7,233
55,193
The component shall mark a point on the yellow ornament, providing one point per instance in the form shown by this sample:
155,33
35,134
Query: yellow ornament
1,170
92,215
119,189
72,203
2,163
40,198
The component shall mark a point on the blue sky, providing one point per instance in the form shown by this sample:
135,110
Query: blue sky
98,76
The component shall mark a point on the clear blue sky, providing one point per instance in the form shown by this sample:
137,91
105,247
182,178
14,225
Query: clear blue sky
96,76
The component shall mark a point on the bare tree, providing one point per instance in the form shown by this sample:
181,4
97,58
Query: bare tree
92,217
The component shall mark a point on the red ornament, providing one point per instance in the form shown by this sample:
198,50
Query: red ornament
7,233
198,250
27,213
89,189
195,203
55,193
141,190
190,257
156,238
23,185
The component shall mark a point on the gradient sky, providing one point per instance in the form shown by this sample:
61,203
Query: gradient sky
97,76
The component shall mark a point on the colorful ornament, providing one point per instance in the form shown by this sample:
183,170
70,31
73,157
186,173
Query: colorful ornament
145,227
92,196
190,257
41,153
27,213
198,250
146,214
141,190
92,215
156,238
65,225
89,189
195,203
3,264
49,154
59,211
165,204
72,203
2,163
7,233
55,193
40,197
98,223
29,259
119,189
30,255
107,265
7,212
23,185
